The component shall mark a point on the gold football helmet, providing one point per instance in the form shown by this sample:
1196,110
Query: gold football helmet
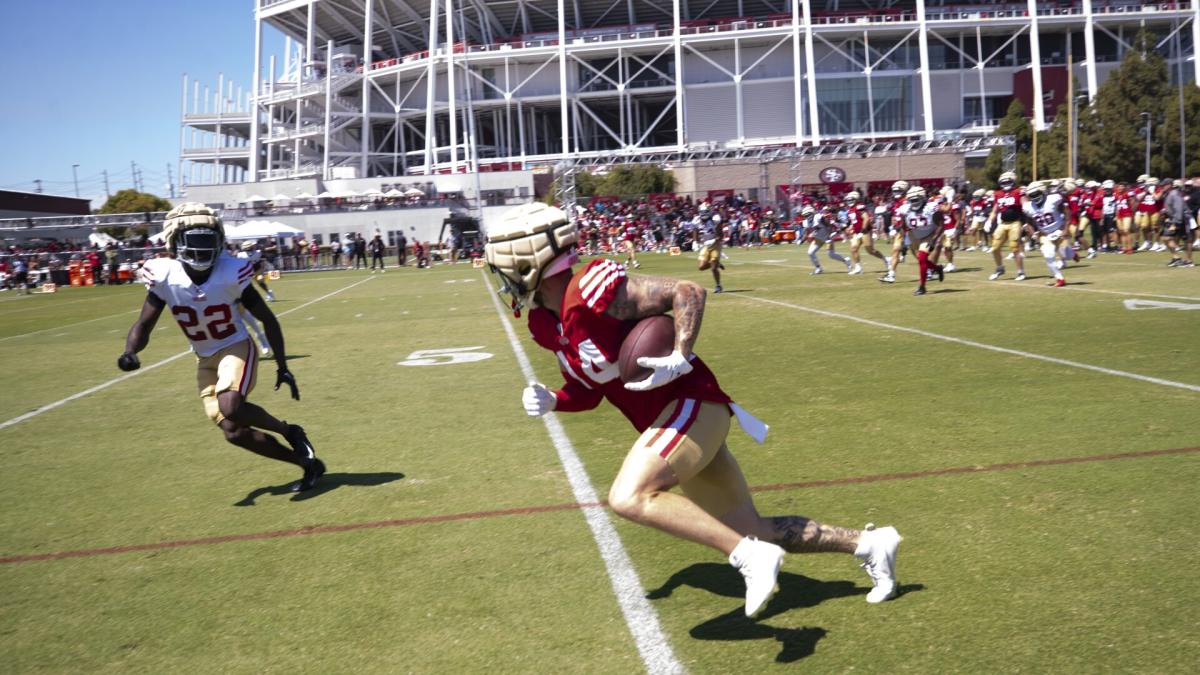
531,242
194,235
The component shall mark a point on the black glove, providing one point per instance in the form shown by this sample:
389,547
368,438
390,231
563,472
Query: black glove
128,362
284,376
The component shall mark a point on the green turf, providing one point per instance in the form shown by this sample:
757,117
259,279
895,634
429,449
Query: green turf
1080,567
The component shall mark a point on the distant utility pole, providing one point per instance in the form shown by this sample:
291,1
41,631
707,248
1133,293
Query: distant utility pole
170,183
107,193
133,174
75,173
38,183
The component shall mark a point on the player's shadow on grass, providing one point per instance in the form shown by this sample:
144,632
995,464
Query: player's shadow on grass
328,483
939,291
293,357
795,591
957,270
736,290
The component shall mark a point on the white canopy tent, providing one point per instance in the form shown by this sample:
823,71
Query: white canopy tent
414,192
260,229
254,199
306,195
101,239
393,193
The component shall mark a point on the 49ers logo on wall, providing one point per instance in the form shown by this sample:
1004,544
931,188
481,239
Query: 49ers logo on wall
832,174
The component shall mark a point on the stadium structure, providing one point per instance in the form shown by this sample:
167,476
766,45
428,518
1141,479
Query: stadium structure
389,88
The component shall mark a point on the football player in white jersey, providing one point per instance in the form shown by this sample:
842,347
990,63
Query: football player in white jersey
922,222
1047,214
202,287
819,229
251,252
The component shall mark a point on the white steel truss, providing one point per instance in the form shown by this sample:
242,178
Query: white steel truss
394,87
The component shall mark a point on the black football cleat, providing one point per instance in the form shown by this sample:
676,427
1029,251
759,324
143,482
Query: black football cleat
299,441
941,274
312,473
919,291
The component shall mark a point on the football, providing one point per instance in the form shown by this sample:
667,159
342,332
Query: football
652,336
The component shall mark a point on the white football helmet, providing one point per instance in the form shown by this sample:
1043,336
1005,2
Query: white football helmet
978,194
194,235
852,197
916,196
1007,180
900,187
531,242
1036,192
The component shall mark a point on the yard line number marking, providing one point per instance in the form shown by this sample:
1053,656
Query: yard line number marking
444,357
640,616
51,406
980,345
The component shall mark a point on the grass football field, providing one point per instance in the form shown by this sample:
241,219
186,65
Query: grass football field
1038,448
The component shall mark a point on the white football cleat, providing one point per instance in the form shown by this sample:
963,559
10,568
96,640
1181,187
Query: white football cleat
856,269
949,267
1020,276
816,272
759,562
997,274
877,549
1145,246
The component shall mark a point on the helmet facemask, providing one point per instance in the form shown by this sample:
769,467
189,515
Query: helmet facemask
198,247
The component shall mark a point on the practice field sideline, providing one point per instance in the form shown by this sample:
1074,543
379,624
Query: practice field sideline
1044,505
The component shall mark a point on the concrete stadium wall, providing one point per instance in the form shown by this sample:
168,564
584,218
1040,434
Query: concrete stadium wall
697,177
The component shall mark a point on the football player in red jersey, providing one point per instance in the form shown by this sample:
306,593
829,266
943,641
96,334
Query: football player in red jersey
899,190
629,241
860,231
203,285
922,221
1007,222
680,410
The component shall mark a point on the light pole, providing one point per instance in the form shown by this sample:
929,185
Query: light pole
1146,119
75,173
1075,136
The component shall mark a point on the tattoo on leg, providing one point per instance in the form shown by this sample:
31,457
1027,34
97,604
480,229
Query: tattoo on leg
797,534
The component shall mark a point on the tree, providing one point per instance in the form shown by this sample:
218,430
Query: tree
1111,139
132,201
1016,125
626,182
1166,161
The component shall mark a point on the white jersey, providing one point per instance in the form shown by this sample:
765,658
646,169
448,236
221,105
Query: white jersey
920,223
820,227
1049,217
254,256
207,313
709,229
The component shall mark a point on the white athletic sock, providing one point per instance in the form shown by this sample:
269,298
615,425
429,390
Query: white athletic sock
812,254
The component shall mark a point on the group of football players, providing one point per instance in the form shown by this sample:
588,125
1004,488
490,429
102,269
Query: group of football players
1061,218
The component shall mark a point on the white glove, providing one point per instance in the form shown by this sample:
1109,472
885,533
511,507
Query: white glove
538,400
666,369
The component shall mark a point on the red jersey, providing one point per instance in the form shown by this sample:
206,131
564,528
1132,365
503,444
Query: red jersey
1147,200
859,219
1074,206
587,342
631,231
1008,204
1124,209
1096,206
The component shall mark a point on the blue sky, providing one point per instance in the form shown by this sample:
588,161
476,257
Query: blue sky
98,84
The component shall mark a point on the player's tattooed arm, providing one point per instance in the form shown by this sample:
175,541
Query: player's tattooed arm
639,297
139,333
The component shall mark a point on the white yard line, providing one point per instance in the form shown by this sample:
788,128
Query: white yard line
87,392
77,323
640,616
979,345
